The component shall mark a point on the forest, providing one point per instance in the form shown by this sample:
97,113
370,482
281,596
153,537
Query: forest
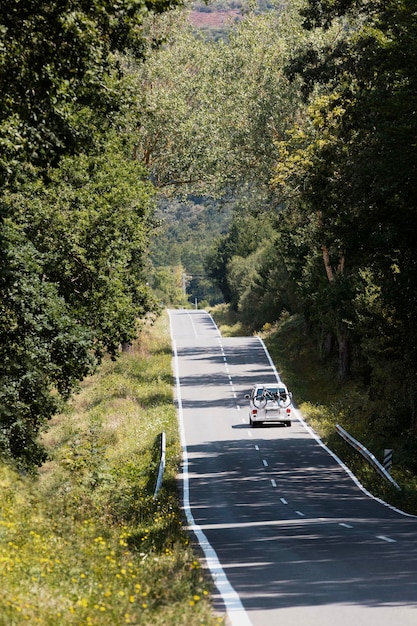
287,147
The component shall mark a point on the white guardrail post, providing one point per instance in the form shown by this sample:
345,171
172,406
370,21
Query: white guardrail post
366,454
161,466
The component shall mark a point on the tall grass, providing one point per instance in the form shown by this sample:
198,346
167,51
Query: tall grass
84,542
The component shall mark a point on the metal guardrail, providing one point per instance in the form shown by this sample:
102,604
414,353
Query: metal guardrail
366,454
161,466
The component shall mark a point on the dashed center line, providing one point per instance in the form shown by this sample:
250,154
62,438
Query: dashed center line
387,539
283,500
300,513
265,462
345,525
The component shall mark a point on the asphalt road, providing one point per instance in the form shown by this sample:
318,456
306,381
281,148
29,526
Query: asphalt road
290,538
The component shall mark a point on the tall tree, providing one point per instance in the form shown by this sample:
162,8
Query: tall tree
75,208
55,63
351,170
208,112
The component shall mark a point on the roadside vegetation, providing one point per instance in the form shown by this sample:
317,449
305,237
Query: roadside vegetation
300,126
83,541
324,402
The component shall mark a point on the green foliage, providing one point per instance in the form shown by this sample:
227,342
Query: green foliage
75,207
209,111
168,284
55,68
241,240
342,249
349,169
42,347
183,239
74,288
250,269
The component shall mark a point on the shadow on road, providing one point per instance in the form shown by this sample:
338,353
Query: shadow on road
312,539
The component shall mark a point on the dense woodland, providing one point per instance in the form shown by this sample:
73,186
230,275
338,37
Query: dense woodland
287,148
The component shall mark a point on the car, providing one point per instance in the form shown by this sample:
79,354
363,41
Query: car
270,402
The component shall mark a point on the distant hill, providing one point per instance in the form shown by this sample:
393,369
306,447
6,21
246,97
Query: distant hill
215,18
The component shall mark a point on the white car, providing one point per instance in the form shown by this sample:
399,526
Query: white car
269,403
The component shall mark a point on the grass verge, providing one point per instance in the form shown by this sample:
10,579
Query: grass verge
84,542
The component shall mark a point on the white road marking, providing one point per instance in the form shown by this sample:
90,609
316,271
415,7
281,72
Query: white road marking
345,525
300,513
387,539
283,500
190,317
273,483
235,611
265,462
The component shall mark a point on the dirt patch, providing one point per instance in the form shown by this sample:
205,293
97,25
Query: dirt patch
214,19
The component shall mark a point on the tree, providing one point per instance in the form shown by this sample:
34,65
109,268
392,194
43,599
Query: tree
75,252
208,112
75,208
350,168
55,64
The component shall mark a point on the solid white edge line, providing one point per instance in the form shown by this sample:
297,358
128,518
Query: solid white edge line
271,363
345,467
234,607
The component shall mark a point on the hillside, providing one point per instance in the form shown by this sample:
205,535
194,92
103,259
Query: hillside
216,18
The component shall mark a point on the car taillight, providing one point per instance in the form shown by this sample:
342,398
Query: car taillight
254,411
288,411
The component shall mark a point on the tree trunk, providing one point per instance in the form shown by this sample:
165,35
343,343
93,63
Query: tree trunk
327,264
344,355
328,345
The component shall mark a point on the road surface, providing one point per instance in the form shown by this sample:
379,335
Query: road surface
290,538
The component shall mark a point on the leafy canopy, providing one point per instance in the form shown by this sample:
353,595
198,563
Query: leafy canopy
76,209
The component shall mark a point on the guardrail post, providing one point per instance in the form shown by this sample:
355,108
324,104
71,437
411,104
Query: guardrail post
388,459
161,466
